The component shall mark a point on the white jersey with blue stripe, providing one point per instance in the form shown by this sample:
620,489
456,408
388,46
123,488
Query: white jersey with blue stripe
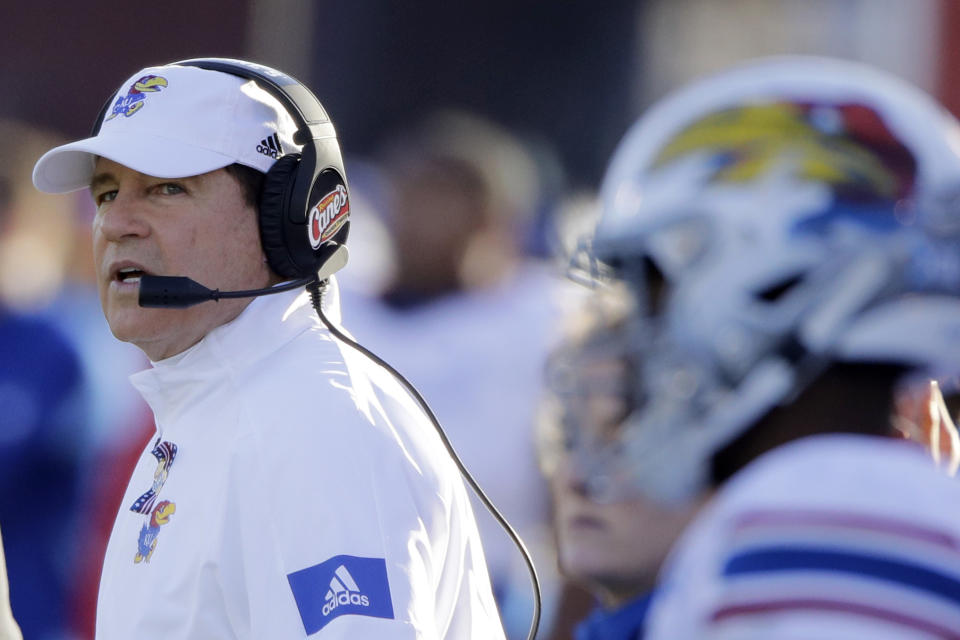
838,536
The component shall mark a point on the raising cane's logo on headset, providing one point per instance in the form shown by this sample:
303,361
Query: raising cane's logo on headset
327,216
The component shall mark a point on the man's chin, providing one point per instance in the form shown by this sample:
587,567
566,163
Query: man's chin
124,334
135,326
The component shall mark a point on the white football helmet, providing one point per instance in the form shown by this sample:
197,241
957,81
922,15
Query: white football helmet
799,212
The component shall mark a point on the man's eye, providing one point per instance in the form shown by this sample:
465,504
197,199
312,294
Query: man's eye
170,189
106,196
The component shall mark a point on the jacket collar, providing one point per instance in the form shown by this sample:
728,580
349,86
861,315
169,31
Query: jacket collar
267,323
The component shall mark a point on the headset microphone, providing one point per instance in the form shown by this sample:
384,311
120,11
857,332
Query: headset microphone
179,292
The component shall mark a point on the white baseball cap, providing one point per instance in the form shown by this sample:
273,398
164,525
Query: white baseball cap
174,122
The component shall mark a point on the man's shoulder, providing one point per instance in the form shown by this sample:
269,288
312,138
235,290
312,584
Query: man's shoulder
315,391
834,468
846,483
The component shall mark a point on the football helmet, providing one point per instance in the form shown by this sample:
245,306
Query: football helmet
771,220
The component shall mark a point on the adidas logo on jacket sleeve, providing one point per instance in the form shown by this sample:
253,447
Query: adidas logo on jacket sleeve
330,589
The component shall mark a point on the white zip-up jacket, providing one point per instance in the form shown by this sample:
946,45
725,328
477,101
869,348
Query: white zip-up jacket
293,489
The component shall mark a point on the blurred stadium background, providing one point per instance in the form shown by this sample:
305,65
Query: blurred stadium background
565,79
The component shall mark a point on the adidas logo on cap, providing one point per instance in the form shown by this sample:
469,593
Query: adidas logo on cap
270,147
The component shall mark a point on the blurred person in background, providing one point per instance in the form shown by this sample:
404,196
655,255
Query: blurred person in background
45,423
611,537
788,236
468,316
789,231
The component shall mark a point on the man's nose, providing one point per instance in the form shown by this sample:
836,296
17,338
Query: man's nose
123,218
572,474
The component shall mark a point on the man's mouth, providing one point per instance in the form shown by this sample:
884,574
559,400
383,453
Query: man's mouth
586,522
129,275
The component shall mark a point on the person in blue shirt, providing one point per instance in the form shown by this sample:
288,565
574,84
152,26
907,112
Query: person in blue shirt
42,421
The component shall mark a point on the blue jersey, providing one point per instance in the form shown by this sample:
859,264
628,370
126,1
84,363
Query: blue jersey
42,417
623,623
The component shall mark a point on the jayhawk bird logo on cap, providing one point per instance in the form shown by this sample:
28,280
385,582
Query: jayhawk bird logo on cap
134,100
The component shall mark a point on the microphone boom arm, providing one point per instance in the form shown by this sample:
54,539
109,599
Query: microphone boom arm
179,292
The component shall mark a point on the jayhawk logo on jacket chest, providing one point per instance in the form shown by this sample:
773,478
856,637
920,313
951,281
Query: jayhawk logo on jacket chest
158,513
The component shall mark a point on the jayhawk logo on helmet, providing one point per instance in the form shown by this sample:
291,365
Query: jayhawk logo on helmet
847,146
134,100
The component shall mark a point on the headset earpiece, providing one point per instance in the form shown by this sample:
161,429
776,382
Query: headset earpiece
304,207
327,222
298,249
274,204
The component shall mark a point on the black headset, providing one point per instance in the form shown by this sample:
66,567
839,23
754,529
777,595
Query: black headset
304,208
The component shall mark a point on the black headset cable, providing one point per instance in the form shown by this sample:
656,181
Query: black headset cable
316,289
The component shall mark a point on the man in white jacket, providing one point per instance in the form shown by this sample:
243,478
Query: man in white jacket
294,487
